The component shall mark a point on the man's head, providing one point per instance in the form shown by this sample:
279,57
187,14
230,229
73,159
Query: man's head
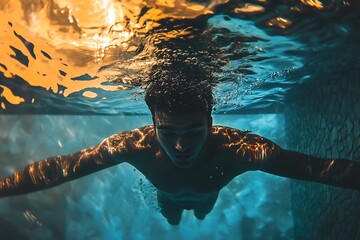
179,96
179,87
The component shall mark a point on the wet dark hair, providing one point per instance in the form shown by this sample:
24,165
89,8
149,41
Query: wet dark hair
180,87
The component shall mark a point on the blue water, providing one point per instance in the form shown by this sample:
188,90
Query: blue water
258,66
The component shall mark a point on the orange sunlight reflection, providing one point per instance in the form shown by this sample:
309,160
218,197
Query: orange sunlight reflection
313,3
279,22
52,43
249,8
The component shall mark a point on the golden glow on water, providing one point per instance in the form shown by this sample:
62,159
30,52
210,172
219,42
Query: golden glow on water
71,38
279,22
8,94
89,94
40,70
313,3
249,8
61,40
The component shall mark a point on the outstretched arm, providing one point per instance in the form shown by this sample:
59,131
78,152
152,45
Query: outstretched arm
338,172
263,154
53,171
254,152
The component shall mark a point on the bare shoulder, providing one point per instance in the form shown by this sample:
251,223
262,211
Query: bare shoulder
246,146
139,134
132,141
228,131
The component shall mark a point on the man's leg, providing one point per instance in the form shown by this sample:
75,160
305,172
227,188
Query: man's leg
201,211
169,210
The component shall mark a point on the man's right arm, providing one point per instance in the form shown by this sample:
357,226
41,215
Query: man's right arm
53,171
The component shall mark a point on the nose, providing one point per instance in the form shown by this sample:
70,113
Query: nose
180,148
180,145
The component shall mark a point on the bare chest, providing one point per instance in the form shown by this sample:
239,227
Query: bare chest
188,184
190,189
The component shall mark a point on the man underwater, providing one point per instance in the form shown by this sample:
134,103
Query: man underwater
182,154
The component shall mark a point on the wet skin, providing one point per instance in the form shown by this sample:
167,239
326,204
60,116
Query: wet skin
187,159
188,175
184,138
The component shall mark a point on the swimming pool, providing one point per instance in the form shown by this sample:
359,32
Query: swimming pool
286,70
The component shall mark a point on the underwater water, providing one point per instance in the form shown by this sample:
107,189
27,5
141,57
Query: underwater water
74,72
119,203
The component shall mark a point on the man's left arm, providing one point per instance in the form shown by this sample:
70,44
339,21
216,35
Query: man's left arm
254,152
338,172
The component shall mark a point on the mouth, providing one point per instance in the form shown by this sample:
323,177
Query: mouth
182,157
182,160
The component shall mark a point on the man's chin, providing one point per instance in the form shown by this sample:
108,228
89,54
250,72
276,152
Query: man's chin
183,163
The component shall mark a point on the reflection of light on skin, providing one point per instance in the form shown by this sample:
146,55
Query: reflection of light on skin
17,178
113,150
246,145
279,22
328,168
313,3
158,153
31,173
55,170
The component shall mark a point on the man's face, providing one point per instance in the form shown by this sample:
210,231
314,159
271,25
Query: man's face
182,136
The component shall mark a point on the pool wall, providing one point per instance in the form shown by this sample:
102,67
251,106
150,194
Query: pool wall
324,120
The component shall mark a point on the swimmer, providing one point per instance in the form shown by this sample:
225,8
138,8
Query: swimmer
182,154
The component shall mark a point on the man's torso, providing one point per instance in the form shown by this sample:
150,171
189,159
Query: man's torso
194,185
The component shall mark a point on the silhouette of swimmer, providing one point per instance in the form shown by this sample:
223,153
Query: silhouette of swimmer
182,154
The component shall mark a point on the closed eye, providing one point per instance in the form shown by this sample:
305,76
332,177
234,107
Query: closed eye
166,132
194,132
191,131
